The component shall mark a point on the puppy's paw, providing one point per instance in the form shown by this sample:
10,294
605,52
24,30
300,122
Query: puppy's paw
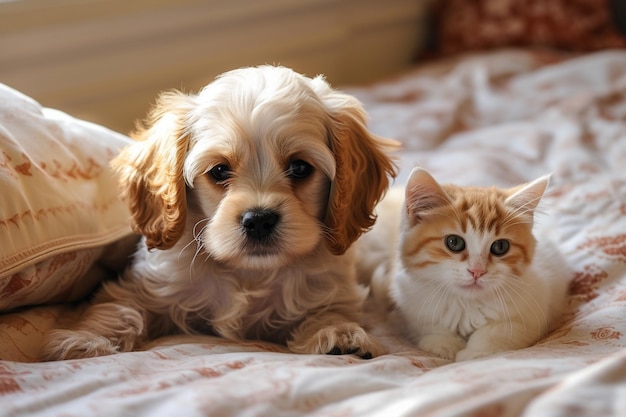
75,344
103,330
443,345
469,354
340,339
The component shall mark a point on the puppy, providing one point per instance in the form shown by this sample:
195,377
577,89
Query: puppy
248,196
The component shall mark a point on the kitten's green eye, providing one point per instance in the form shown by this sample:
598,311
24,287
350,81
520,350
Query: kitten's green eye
500,247
455,243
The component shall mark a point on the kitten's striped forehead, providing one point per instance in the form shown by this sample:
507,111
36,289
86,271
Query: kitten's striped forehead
481,209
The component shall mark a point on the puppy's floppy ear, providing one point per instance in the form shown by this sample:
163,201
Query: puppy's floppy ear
151,171
364,168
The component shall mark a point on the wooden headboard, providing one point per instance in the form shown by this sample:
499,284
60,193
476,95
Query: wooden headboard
105,60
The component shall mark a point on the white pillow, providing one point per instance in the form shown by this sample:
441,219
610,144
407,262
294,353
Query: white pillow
59,200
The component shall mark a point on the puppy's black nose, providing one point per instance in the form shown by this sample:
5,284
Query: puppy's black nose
259,224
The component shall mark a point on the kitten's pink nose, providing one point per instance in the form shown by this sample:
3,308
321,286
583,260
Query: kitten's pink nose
477,272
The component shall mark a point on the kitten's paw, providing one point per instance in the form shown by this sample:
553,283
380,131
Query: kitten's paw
340,339
71,344
443,345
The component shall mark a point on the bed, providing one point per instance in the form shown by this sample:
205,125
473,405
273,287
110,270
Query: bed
500,117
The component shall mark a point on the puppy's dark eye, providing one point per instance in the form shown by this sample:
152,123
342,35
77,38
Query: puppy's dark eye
220,173
299,169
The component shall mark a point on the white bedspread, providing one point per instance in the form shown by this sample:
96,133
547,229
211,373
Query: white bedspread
499,118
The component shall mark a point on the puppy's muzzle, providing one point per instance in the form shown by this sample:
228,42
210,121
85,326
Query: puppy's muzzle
259,224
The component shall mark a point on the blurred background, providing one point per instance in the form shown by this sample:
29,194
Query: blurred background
106,60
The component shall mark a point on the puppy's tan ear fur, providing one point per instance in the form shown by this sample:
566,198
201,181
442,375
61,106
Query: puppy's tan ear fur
364,169
151,171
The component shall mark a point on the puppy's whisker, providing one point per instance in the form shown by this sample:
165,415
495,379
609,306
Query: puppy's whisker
193,260
196,234
196,237
199,244
180,254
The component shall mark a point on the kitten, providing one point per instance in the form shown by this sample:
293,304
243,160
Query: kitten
472,277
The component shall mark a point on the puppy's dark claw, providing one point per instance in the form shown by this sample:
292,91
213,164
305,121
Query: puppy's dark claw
335,351
338,351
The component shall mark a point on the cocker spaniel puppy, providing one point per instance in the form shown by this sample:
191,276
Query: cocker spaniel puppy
248,196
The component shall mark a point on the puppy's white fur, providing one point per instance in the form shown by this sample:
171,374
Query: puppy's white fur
256,140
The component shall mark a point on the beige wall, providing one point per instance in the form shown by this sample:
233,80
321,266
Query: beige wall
105,60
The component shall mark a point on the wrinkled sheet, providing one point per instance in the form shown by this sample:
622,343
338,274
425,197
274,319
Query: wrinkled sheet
494,118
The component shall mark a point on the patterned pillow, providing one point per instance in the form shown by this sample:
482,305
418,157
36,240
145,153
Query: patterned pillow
572,25
60,202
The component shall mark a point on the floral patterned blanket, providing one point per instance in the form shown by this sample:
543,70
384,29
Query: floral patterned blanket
498,118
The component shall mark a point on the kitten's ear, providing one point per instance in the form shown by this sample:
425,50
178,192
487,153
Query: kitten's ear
423,193
526,197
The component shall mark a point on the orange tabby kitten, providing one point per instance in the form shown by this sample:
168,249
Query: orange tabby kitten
472,277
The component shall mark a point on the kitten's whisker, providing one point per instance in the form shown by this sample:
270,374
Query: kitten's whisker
502,303
535,307
433,293
436,314
522,286
437,287
526,297
512,301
